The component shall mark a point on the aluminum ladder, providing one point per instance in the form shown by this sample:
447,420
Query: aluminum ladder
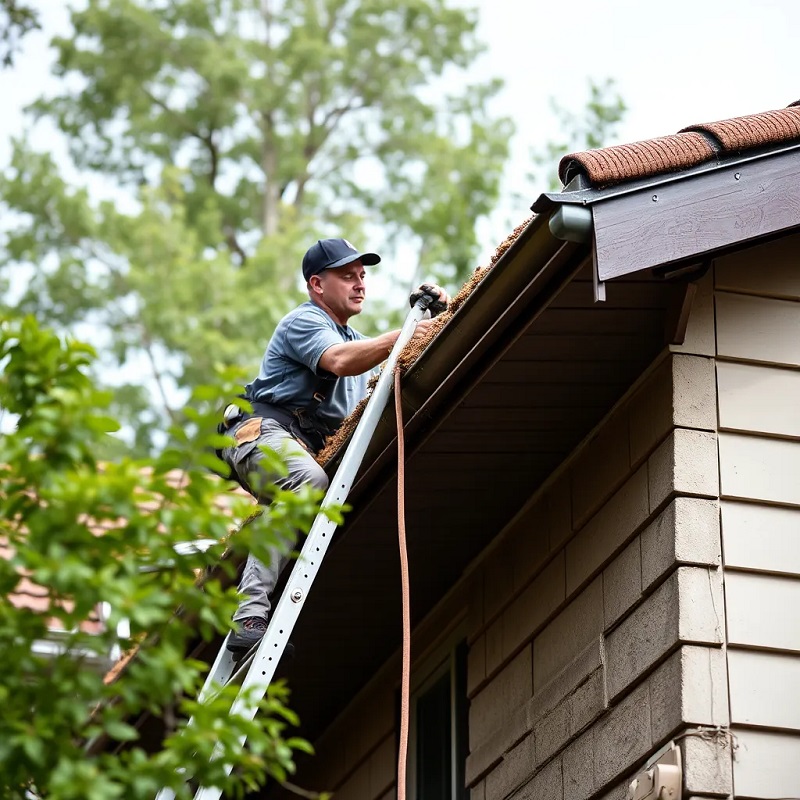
258,667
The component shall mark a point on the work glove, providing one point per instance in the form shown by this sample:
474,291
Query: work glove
438,297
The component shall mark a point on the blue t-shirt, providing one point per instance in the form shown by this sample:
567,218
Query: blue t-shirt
289,369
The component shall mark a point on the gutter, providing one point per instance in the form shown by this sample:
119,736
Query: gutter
500,309
674,223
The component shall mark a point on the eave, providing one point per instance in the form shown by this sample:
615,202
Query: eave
521,374
516,380
669,220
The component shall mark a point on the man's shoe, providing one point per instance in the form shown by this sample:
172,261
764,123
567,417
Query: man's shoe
249,632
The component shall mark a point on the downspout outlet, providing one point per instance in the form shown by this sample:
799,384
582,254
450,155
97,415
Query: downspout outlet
572,223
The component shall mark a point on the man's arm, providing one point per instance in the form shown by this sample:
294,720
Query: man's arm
354,358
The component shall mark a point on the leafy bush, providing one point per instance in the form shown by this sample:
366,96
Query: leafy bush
78,533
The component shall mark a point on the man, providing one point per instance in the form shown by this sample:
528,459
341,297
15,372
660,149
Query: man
313,374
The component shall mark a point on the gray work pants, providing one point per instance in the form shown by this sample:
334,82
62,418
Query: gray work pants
258,579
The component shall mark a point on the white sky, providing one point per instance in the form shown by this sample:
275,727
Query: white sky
676,63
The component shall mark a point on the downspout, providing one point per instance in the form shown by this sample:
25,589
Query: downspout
574,223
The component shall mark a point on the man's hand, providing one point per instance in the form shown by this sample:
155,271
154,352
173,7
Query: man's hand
353,358
438,305
422,328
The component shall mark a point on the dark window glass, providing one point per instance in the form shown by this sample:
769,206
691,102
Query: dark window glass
434,747
441,731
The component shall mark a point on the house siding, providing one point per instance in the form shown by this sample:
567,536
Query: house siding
604,620
594,620
621,613
757,301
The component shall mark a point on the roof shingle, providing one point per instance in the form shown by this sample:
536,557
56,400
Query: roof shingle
691,146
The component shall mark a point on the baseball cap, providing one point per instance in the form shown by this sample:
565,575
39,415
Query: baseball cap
332,253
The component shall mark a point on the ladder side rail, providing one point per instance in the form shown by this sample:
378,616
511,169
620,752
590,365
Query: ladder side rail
270,649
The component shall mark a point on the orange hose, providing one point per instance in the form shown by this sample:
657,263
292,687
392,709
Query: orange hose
405,680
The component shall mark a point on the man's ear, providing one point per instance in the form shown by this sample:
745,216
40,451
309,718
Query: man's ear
315,284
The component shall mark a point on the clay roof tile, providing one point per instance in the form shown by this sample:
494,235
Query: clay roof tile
757,130
626,162
691,146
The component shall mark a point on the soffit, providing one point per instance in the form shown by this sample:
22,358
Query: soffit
476,456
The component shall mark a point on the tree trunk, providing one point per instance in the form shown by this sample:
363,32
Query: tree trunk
269,164
269,156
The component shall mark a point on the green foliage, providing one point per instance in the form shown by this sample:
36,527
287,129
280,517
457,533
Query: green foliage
246,130
79,534
595,126
16,19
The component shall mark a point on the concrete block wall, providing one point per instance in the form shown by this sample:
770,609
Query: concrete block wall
757,301
597,626
605,620
595,622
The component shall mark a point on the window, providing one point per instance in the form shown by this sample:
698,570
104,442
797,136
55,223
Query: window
438,742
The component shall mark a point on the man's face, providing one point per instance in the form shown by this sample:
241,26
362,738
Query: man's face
343,289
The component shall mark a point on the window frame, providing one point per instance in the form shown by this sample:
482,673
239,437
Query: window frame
441,660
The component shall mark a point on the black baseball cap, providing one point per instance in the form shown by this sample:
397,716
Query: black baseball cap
332,253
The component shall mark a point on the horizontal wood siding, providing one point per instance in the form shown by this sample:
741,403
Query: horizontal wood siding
759,398
761,538
760,469
761,688
758,329
757,302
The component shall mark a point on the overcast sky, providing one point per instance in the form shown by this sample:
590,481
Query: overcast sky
676,63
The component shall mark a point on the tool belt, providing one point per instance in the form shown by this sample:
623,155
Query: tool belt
302,423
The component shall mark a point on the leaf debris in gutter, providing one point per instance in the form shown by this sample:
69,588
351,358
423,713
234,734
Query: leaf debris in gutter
414,349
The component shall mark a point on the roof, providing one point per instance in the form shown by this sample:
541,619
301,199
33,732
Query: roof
513,378
520,370
37,598
690,147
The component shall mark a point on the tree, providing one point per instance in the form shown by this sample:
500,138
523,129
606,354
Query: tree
79,534
595,126
16,19
225,136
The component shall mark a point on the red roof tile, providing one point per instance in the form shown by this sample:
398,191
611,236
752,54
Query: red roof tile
36,598
757,130
693,145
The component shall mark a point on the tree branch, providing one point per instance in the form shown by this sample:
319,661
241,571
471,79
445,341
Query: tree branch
145,335
147,346
213,154
233,244
166,109
313,144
